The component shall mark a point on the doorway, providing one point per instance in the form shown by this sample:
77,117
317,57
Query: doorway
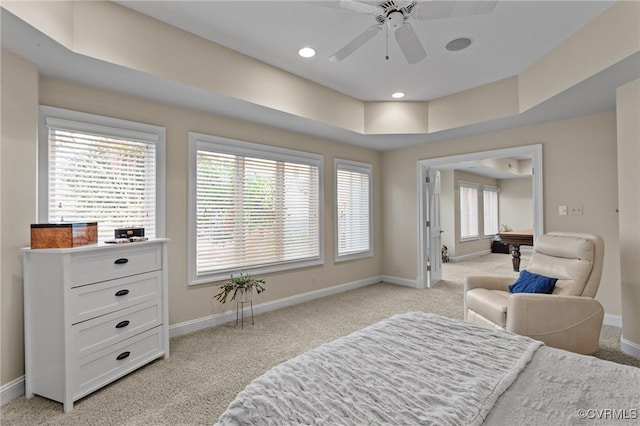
429,272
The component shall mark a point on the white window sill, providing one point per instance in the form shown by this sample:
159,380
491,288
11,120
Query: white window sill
253,271
354,256
466,240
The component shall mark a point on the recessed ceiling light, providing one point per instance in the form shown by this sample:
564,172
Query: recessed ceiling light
458,44
397,95
307,52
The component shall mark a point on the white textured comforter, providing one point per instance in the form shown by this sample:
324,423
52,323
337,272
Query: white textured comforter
413,368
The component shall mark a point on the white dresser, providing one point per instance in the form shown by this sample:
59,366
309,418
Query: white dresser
92,314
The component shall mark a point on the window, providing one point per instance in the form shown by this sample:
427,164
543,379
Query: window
490,205
100,169
468,210
253,208
353,210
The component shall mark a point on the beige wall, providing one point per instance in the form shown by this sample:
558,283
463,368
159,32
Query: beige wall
515,203
579,163
396,117
610,37
628,112
509,165
19,86
483,103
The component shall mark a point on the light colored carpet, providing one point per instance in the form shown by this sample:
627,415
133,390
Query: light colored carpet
208,368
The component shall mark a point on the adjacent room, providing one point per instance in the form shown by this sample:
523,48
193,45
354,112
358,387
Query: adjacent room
477,201
296,212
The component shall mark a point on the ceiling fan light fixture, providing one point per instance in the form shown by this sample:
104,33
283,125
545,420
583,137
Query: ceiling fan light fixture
395,20
307,52
458,44
397,95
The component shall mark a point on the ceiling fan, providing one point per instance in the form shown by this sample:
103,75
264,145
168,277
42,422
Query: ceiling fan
394,16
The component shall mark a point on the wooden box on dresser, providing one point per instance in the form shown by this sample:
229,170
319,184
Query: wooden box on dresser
92,314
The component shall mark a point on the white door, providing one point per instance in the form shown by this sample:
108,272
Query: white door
434,237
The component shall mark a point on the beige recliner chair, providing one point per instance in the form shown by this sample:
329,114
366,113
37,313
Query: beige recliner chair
569,318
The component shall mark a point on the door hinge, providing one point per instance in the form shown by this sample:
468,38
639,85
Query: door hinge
428,179
428,224
428,268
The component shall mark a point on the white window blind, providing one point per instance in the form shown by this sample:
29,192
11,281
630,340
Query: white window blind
98,173
254,208
353,209
490,206
468,210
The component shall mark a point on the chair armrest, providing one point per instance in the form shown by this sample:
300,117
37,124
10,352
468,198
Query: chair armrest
488,282
567,322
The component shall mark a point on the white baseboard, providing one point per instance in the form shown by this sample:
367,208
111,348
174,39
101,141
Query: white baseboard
614,320
11,390
469,256
217,319
630,348
399,281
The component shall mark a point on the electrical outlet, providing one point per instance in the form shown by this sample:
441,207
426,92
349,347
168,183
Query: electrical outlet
575,210
562,210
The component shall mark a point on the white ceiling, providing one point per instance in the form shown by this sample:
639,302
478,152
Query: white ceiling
511,37
504,42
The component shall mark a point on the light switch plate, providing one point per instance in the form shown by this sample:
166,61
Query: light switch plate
575,210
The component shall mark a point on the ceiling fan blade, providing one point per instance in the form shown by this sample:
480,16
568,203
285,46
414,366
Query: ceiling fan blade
356,43
353,5
410,44
438,9
360,7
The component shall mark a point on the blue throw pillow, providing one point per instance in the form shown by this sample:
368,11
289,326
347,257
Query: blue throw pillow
533,283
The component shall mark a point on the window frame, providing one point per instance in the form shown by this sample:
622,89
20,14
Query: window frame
470,185
359,167
223,145
102,125
496,190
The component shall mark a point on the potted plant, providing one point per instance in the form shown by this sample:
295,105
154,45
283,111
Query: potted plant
240,287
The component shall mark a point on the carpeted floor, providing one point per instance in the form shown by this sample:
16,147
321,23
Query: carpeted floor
208,368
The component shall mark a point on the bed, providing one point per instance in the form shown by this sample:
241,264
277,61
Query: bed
419,368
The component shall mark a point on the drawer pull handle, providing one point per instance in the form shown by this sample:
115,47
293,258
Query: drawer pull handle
122,292
121,261
123,355
122,324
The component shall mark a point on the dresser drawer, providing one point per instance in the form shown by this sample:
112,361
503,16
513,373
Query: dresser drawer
98,333
93,300
102,367
90,267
